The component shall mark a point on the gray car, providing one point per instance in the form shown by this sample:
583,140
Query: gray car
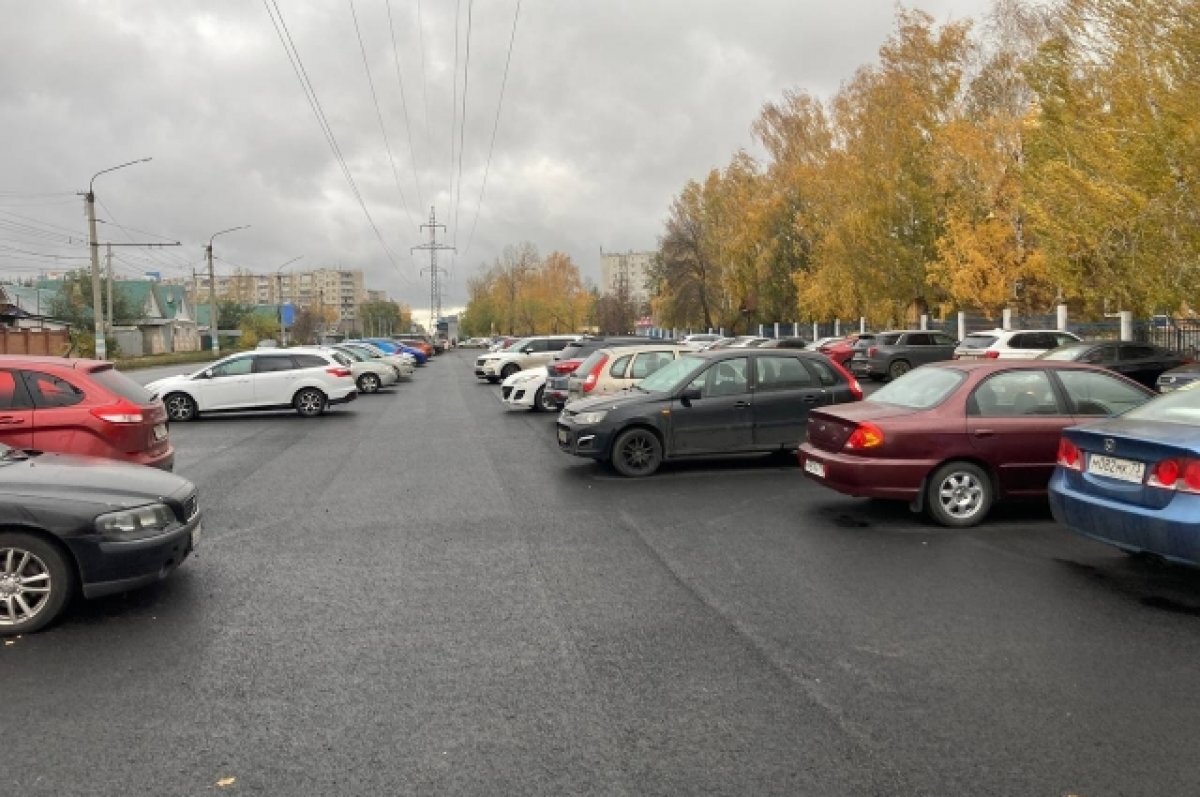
895,353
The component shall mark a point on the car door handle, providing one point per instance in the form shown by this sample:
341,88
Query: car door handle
810,399
8,420
741,405
984,433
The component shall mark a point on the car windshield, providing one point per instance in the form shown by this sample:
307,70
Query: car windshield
1073,352
920,389
670,376
978,341
351,353
1178,406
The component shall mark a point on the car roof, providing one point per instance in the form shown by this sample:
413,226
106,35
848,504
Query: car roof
1005,365
636,347
77,363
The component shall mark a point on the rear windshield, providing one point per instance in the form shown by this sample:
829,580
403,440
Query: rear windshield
1066,352
1178,406
978,341
920,389
888,340
591,362
122,385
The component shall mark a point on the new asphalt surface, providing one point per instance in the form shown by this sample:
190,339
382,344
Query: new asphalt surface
419,594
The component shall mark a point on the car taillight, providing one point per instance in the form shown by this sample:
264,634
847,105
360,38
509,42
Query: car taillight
590,380
339,372
992,354
565,367
121,412
865,435
1068,455
855,388
1176,474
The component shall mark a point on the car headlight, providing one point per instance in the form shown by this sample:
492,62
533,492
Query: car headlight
136,523
589,418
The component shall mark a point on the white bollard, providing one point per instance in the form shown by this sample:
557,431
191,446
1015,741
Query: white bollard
1126,324
924,321
1062,317
962,325
1006,319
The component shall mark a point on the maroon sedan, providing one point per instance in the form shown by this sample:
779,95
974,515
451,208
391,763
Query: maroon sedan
953,437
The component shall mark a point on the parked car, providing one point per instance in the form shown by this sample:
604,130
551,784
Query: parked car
521,355
392,347
1141,362
843,349
83,525
500,344
423,346
572,356
699,340
895,353
371,374
85,407
954,437
819,342
785,343
706,404
615,369
401,362
1134,481
306,379
747,342
1011,344
1184,376
527,390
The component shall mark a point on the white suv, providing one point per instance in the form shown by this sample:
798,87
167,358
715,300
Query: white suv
307,380
1011,344
522,355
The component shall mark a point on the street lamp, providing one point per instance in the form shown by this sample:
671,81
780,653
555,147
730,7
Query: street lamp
94,245
212,290
279,296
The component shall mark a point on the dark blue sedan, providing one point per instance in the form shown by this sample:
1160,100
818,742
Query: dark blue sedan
1134,481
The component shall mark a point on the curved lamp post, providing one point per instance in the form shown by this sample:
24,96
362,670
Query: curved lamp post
214,328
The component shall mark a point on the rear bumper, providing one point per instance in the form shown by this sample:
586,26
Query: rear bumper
163,460
865,477
335,399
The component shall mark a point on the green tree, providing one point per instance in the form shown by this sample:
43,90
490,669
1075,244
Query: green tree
73,304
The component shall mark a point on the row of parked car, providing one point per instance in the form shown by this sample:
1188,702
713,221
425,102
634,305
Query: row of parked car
950,435
88,502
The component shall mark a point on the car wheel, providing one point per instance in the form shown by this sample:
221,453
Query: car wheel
636,452
542,402
309,402
494,380
180,407
508,370
36,582
368,383
959,495
898,369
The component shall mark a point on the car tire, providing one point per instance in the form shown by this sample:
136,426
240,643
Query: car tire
368,383
492,380
180,407
542,403
28,558
959,495
310,402
637,452
508,370
898,369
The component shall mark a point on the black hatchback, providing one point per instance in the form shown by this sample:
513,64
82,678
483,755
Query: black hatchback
729,401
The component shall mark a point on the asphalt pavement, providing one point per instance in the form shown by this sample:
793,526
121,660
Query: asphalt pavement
419,594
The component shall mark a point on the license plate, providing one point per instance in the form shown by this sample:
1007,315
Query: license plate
814,467
160,431
195,536
1122,469
563,436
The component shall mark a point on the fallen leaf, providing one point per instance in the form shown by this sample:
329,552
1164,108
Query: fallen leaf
225,782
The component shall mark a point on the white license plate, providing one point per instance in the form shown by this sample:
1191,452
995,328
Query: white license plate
160,431
196,536
1123,469
814,467
563,436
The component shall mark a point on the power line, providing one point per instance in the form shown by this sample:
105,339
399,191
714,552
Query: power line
462,120
412,155
424,78
387,144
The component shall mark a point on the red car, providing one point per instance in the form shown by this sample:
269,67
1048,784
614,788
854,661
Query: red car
83,407
952,437
842,349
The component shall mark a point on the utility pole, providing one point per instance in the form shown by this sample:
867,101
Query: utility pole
108,315
214,329
435,291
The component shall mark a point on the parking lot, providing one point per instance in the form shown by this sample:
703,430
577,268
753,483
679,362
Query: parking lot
419,593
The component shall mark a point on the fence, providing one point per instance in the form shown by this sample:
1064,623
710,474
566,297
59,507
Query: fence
53,342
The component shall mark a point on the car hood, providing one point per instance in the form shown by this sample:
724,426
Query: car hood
89,480
159,386
614,401
1191,369
522,376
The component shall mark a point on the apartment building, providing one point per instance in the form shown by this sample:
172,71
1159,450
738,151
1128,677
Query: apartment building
632,269
342,290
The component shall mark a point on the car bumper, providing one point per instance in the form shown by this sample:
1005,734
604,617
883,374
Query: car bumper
865,477
519,396
107,567
163,460
334,398
1172,532
582,441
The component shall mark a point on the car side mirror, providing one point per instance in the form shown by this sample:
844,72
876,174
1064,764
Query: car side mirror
690,394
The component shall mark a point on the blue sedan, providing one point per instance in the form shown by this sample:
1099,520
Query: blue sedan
392,347
1134,481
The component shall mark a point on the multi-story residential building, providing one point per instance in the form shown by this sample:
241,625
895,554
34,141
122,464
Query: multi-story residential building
631,269
341,290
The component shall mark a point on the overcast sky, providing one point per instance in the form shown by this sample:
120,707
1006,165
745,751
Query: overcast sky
610,107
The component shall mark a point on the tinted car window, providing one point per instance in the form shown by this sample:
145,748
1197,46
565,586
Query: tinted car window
1137,352
1099,394
942,339
724,378
12,395
618,368
117,382
781,373
238,367
648,362
824,372
918,339
48,391
309,361
1015,394
275,362
556,345
888,340
1100,354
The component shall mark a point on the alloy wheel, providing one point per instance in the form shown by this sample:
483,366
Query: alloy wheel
25,586
961,495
